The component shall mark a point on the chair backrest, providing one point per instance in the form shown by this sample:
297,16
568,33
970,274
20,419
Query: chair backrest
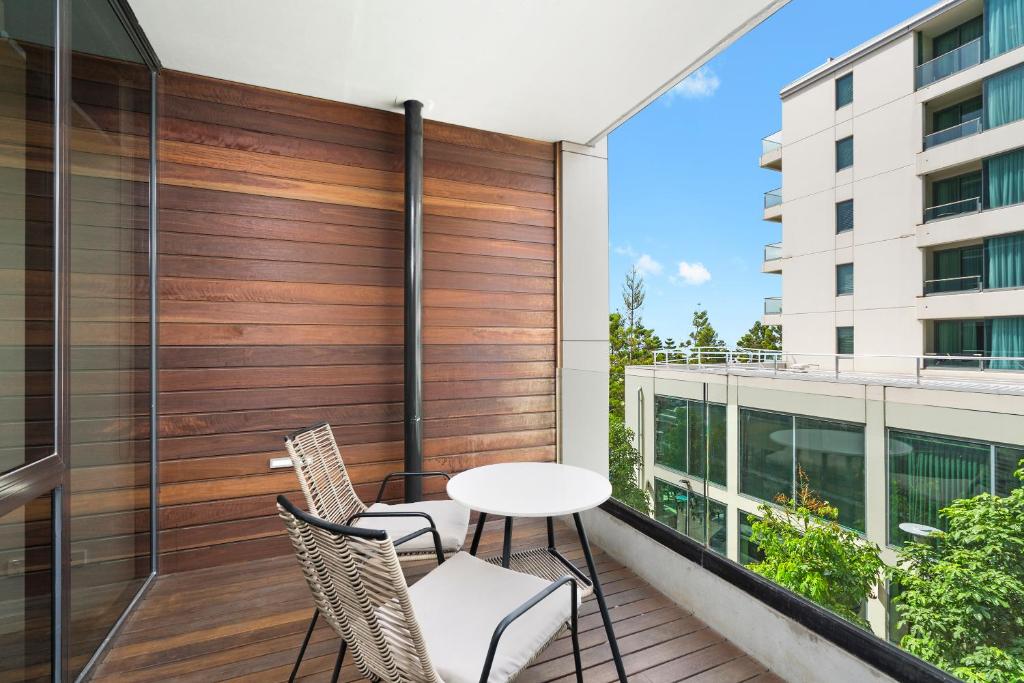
358,586
322,474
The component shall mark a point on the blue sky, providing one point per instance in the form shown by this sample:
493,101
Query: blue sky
685,188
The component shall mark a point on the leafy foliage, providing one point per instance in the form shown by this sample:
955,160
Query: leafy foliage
630,343
761,336
807,551
624,466
703,334
961,592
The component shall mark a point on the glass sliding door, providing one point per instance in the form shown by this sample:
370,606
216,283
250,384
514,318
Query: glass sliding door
110,290
30,470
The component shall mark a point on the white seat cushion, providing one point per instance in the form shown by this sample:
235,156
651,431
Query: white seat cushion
459,604
450,518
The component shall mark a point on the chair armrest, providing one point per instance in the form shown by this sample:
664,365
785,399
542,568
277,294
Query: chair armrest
383,484
425,530
424,515
520,611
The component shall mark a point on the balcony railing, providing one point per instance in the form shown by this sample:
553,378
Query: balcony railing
965,56
773,305
972,127
965,283
771,143
772,198
969,205
773,252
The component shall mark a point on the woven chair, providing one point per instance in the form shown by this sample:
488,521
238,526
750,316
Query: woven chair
465,621
330,495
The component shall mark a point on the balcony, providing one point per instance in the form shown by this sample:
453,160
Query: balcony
971,127
772,258
952,209
949,285
773,205
954,61
771,151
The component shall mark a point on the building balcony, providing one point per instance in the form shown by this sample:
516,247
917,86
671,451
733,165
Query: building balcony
773,205
943,66
952,209
965,129
771,151
953,285
772,258
973,301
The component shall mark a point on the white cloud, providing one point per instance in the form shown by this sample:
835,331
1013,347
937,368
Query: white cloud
693,273
700,84
626,250
648,266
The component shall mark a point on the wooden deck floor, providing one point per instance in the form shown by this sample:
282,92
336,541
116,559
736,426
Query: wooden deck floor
245,623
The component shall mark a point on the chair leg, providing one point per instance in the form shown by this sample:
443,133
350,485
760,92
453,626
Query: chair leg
337,663
574,624
305,644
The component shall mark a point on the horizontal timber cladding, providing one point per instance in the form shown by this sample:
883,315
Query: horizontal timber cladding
281,303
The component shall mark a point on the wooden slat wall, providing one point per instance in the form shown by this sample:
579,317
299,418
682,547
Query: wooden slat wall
281,303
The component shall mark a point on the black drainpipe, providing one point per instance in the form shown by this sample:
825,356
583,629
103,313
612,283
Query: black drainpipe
413,298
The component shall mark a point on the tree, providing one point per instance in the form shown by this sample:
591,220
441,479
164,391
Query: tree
624,466
630,343
705,337
760,336
960,593
807,551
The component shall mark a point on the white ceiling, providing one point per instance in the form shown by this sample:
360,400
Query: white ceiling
546,69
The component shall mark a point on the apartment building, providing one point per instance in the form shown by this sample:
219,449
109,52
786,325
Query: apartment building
902,195
901,209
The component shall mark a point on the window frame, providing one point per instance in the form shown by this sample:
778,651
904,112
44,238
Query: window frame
843,203
841,268
846,78
848,138
853,346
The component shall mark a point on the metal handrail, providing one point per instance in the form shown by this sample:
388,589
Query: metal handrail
773,198
961,130
773,305
771,142
773,251
969,205
963,57
934,286
783,361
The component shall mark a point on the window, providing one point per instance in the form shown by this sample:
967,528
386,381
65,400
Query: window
954,38
844,216
691,514
749,553
844,279
680,441
844,340
844,91
844,153
961,112
1004,180
927,472
774,447
956,270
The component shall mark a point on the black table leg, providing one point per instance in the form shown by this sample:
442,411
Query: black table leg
479,532
551,534
599,594
506,548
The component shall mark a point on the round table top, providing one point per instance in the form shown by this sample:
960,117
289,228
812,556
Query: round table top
529,489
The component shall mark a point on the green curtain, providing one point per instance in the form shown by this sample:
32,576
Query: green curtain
1004,260
1004,26
927,473
946,267
1005,179
947,337
1004,95
1007,341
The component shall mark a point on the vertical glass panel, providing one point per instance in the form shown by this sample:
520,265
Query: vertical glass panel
1004,97
748,551
26,581
844,91
1004,26
670,432
927,473
844,216
1004,260
692,514
766,454
844,153
717,457
26,233
109,311
831,455
1005,179
1008,461
844,279
1007,341
844,340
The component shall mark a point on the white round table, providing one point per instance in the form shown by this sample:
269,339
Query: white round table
535,489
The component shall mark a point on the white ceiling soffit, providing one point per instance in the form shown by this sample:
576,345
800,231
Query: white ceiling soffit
544,69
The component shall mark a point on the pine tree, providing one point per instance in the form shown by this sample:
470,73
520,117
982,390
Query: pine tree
760,336
704,336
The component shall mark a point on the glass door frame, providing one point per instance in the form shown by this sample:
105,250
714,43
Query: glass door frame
51,474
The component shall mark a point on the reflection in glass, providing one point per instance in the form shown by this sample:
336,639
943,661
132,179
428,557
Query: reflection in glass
766,454
680,440
26,552
109,310
691,514
749,552
831,455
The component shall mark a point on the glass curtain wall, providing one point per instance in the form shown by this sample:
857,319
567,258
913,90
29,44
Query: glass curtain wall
681,442
691,514
1004,97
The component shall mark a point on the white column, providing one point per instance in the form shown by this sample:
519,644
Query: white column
583,372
